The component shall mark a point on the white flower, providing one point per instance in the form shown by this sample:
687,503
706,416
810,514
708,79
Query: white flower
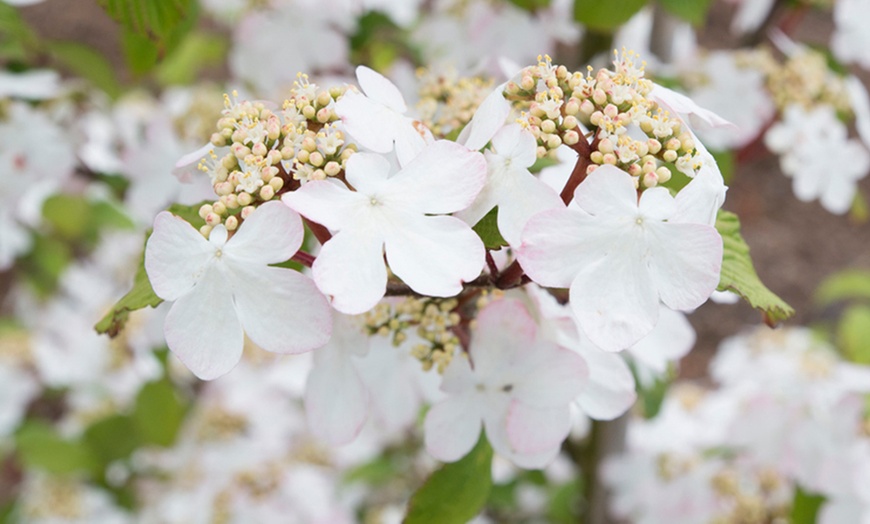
620,257
431,254
36,84
850,39
510,186
519,390
377,119
222,287
750,15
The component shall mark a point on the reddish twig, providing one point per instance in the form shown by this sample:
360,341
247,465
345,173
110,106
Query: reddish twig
306,259
320,233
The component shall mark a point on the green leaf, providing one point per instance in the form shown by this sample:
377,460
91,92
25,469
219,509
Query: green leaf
15,35
531,5
39,446
140,52
860,210
487,230
158,413
45,263
543,163
738,273
456,492
692,11
374,473
850,284
68,215
805,507
190,214
86,63
141,296
155,19
112,438
196,52
854,334
598,14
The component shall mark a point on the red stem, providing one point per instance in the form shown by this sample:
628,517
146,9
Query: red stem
303,258
320,233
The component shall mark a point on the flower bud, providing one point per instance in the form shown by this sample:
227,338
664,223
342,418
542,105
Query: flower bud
597,157
611,111
605,146
204,210
670,155
212,219
548,126
572,107
205,230
332,168
599,97
609,158
277,183
570,122
650,180
231,201
654,146
323,98
231,223
571,137
245,199
309,112
663,174
267,192
247,210
315,159
259,149
302,156
219,208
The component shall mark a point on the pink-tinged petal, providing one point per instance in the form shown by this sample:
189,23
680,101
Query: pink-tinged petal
556,246
607,192
683,105
516,143
281,310
271,234
488,119
551,375
610,390
452,428
685,262
336,400
495,424
504,328
434,255
327,202
202,329
528,197
444,178
458,376
350,268
175,256
533,430
614,300
492,193
367,172
377,87
369,123
185,167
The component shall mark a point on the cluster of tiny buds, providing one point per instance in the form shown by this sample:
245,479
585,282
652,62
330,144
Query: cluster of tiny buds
259,149
806,80
447,101
749,498
433,319
562,105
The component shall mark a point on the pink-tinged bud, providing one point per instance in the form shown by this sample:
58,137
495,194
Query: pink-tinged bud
570,122
511,88
324,115
287,152
259,149
315,159
611,111
219,208
673,144
332,168
596,117
212,219
277,183
309,144
650,180
246,211
599,97
591,168
223,188
605,146
231,223
267,192
554,141
597,157
572,107
309,112
205,230
670,155
587,107
204,210
245,199
654,146
527,82
571,137
610,158
541,151
635,170
231,201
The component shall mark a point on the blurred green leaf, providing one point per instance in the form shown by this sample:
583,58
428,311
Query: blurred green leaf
531,5
543,163
112,438
15,35
487,229
376,472
39,446
738,273
45,263
86,63
860,210
140,53
597,14
68,215
456,492
854,334
845,285
155,19
196,52
141,296
190,214
158,413
692,11
805,507
565,501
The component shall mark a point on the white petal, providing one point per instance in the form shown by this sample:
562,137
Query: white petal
409,142
685,263
497,434
701,199
444,178
380,89
504,328
488,118
350,268
607,191
367,172
372,125
528,197
175,256
434,254
681,104
452,428
533,430
202,329
394,399
185,167
614,300
517,144
672,338
271,234
336,400
326,202
281,310
611,390
551,375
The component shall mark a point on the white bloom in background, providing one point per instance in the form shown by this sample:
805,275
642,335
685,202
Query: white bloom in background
850,39
273,45
671,339
518,390
376,119
35,84
518,194
816,152
619,257
17,389
224,289
738,94
394,214
750,15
